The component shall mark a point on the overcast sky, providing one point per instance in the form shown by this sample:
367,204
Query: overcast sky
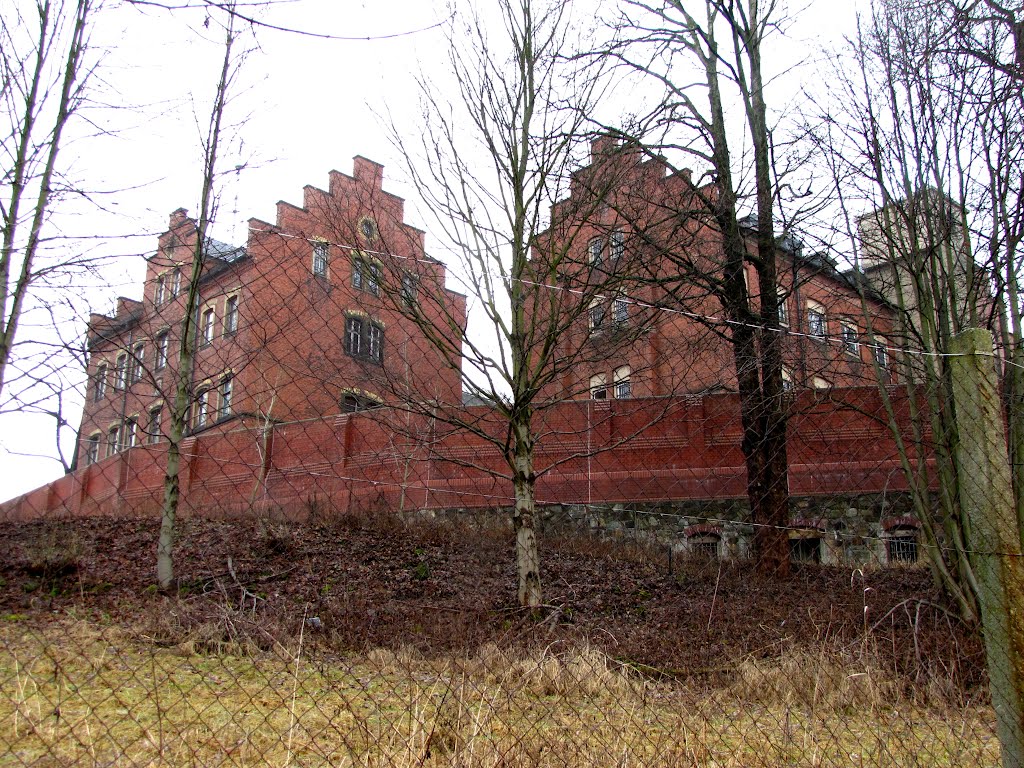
308,106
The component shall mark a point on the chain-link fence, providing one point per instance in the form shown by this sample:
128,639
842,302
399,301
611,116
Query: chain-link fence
348,483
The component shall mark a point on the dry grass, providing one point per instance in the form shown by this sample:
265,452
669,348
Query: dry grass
76,691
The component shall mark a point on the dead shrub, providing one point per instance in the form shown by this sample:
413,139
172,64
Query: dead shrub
54,552
828,679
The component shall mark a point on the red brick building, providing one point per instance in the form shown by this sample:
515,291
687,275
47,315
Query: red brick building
300,323
659,329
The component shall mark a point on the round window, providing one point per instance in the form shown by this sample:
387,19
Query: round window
368,229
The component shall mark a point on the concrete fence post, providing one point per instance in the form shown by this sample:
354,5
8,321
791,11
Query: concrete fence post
993,537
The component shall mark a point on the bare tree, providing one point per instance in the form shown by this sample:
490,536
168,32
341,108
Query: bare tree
45,69
524,103
924,147
180,407
720,45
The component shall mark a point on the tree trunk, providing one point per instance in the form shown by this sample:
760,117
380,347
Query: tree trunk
524,516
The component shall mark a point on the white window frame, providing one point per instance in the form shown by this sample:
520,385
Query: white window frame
231,315
226,391
595,251
113,439
130,432
92,448
155,426
595,316
783,311
599,386
137,362
202,415
375,342
410,289
620,311
207,323
617,245
176,282
850,338
622,388
365,275
354,336
100,382
321,258
817,320
121,371
163,346
880,353
160,292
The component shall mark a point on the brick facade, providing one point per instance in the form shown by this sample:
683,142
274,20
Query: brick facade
633,223
272,321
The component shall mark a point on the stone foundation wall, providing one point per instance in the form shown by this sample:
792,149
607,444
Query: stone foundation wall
851,530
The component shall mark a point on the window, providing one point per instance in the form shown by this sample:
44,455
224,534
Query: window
92,449
881,353
618,245
155,432
903,546
202,408
112,440
850,339
121,371
704,547
137,358
366,276
99,386
595,316
224,408
620,311
353,403
805,549
783,312
599,386
622,386
595,249
410,286
160,294
354,336
364,339
819,383
368,229
787,381
230,315
130,433
176,282
162,344
375,339
816,319
320,259
206,327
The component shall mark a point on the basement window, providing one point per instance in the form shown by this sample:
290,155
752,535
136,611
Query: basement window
805,549
902,545
704,547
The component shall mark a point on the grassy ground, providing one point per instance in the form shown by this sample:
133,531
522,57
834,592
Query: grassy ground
370,642
81,691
